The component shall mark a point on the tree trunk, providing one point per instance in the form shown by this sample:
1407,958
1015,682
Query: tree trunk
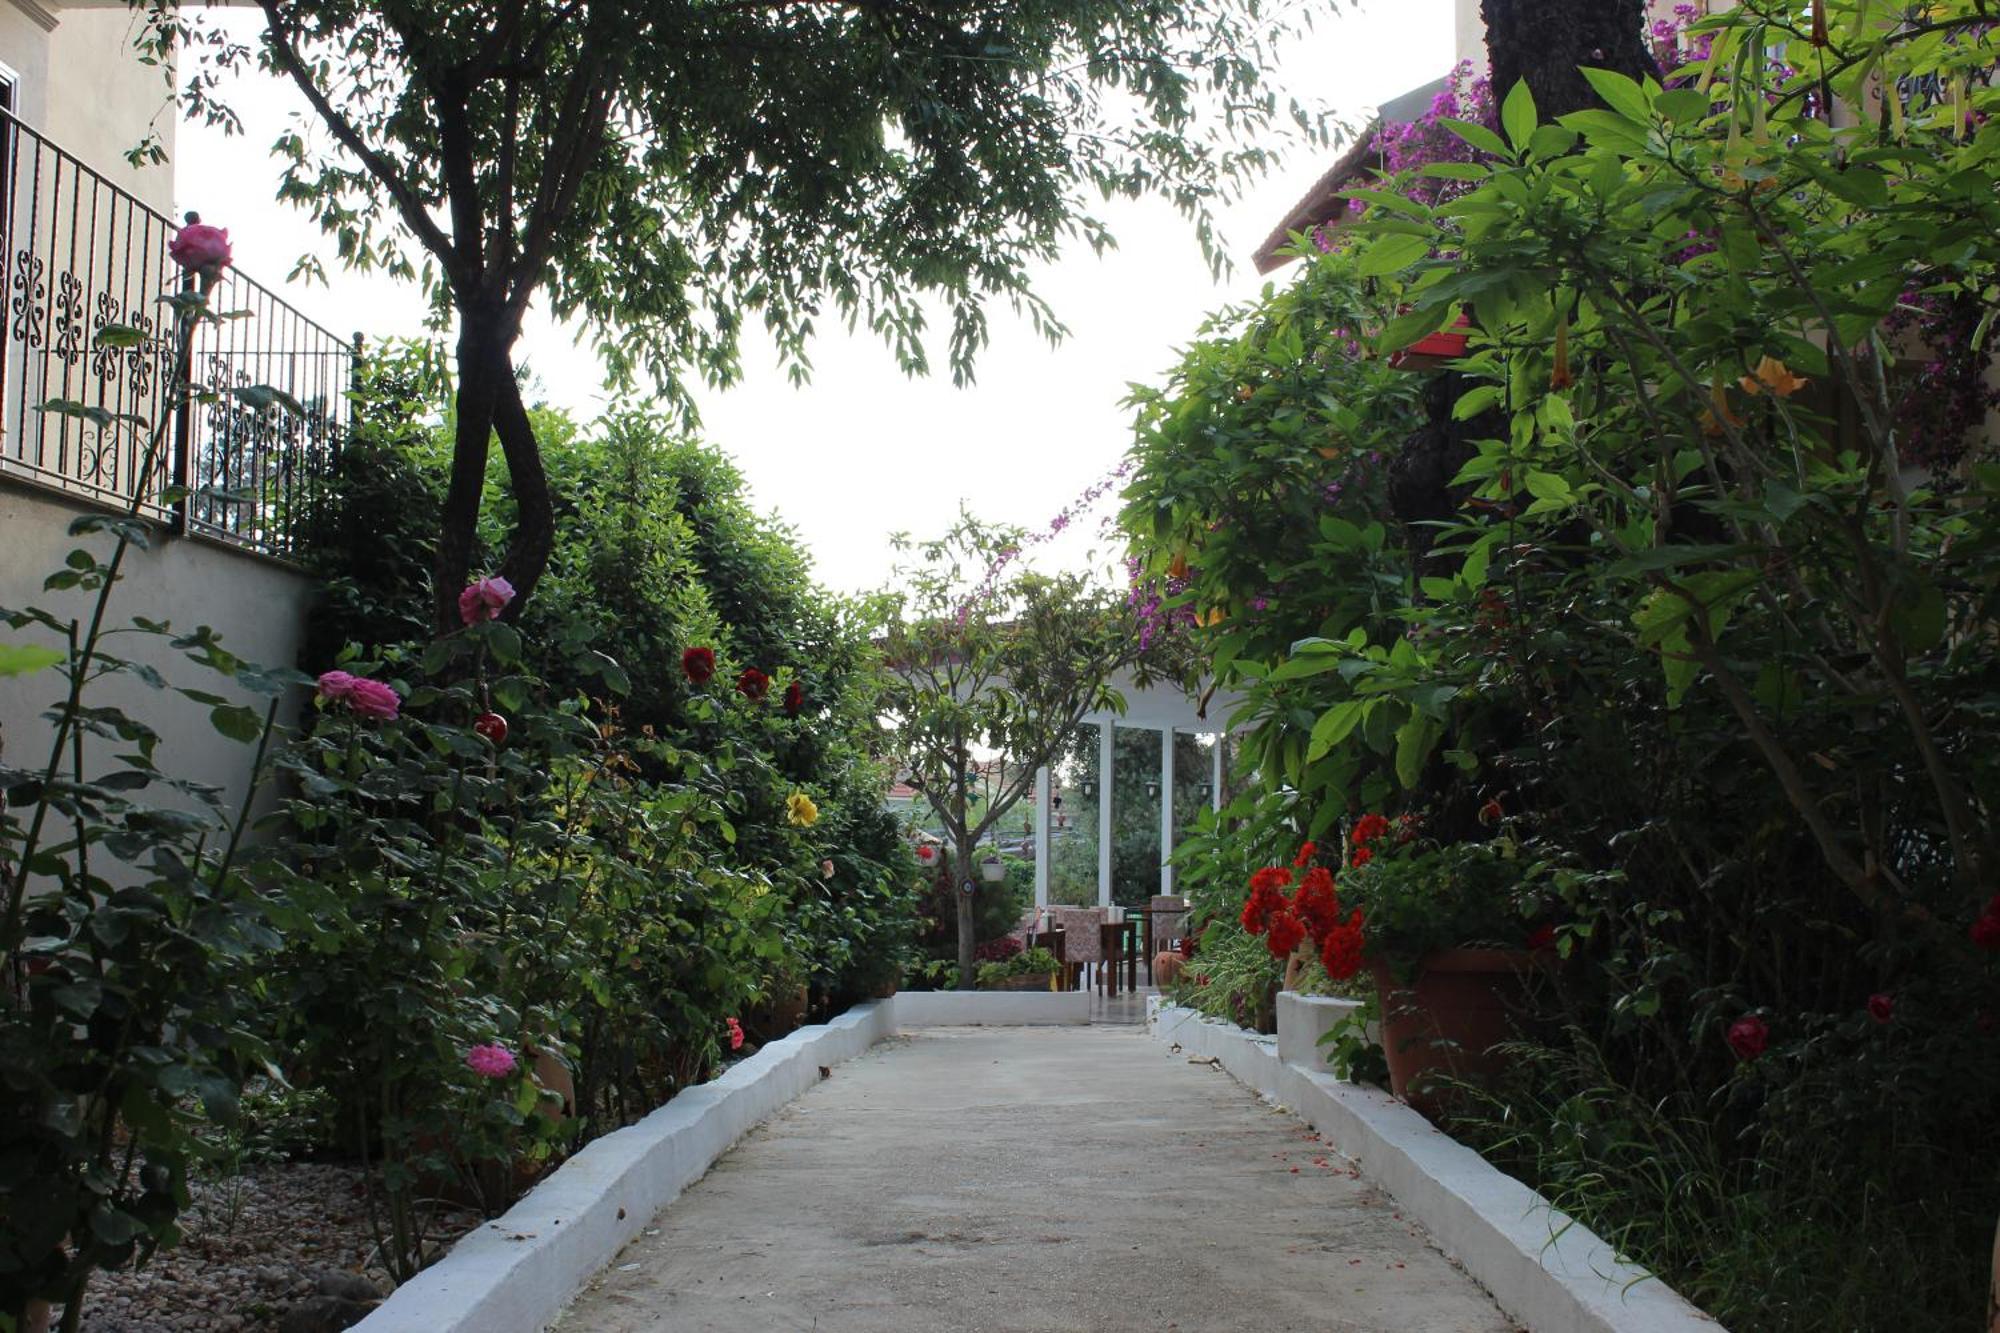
1546,41
966,978
534,511
489,403
482,360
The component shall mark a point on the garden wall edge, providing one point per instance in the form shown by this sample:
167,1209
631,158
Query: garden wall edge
1542,1267
515,1273
952,1008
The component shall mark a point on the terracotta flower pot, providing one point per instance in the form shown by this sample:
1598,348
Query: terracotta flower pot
1450,1019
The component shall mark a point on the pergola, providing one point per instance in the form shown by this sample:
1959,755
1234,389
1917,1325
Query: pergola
1161,707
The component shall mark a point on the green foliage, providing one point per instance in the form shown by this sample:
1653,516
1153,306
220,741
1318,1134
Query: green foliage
1027,963
127,921
1658,569
669,176
1464,894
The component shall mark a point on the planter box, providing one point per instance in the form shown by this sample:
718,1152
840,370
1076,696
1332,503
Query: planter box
1027,981
1303,1020
1436,350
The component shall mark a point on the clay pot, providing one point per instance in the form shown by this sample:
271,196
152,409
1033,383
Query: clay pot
1450,1020
1167,968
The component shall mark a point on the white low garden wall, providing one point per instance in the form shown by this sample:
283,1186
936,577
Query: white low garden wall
515,1273
959,1008
1545,1270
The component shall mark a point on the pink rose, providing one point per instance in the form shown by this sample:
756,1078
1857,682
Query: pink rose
335,686
200,248
371,698
490,1061
484,599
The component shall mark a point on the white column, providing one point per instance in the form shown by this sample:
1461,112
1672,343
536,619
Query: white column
1106,779
1043,807
1166,809
1215,771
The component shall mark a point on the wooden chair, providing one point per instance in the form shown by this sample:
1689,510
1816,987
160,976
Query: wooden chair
1166,922
1083,938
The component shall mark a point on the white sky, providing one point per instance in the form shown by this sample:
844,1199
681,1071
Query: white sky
862,451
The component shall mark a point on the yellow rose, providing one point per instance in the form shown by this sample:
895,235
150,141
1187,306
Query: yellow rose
800,810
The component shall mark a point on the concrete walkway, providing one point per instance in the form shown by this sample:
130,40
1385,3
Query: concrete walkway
1032,1179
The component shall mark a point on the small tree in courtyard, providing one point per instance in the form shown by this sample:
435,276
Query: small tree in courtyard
1009,668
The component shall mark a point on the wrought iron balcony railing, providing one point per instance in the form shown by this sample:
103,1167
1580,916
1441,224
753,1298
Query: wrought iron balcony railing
82,254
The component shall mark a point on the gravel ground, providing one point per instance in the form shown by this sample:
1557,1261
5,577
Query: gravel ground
282,1247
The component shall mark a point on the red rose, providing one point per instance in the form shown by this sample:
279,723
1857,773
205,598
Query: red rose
1305,856
753,685
1748,1036
927,853
492,726
795,699
698,664
1543,937
1986,931
1881,1007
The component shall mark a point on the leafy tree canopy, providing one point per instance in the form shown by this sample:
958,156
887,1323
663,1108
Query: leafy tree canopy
667,172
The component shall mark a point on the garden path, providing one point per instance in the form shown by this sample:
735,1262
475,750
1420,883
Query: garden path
1032,1179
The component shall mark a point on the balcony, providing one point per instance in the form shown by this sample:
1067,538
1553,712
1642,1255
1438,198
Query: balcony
81,254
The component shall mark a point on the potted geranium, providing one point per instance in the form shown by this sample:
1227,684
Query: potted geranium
1446,932
1451,939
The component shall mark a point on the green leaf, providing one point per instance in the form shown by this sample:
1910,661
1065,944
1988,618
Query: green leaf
1335,724
1415,738
1485,140
121,336
237,722
263,397
1391,254
1517,114
24,659
1479,398
1621,93
1456,171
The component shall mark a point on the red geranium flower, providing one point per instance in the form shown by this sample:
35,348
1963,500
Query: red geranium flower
1340,953
1881,1007
753,685
1361,857
795,699
1283,933
1368,828
1748,1036
1305,856
1266,897
1316,903
698,664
